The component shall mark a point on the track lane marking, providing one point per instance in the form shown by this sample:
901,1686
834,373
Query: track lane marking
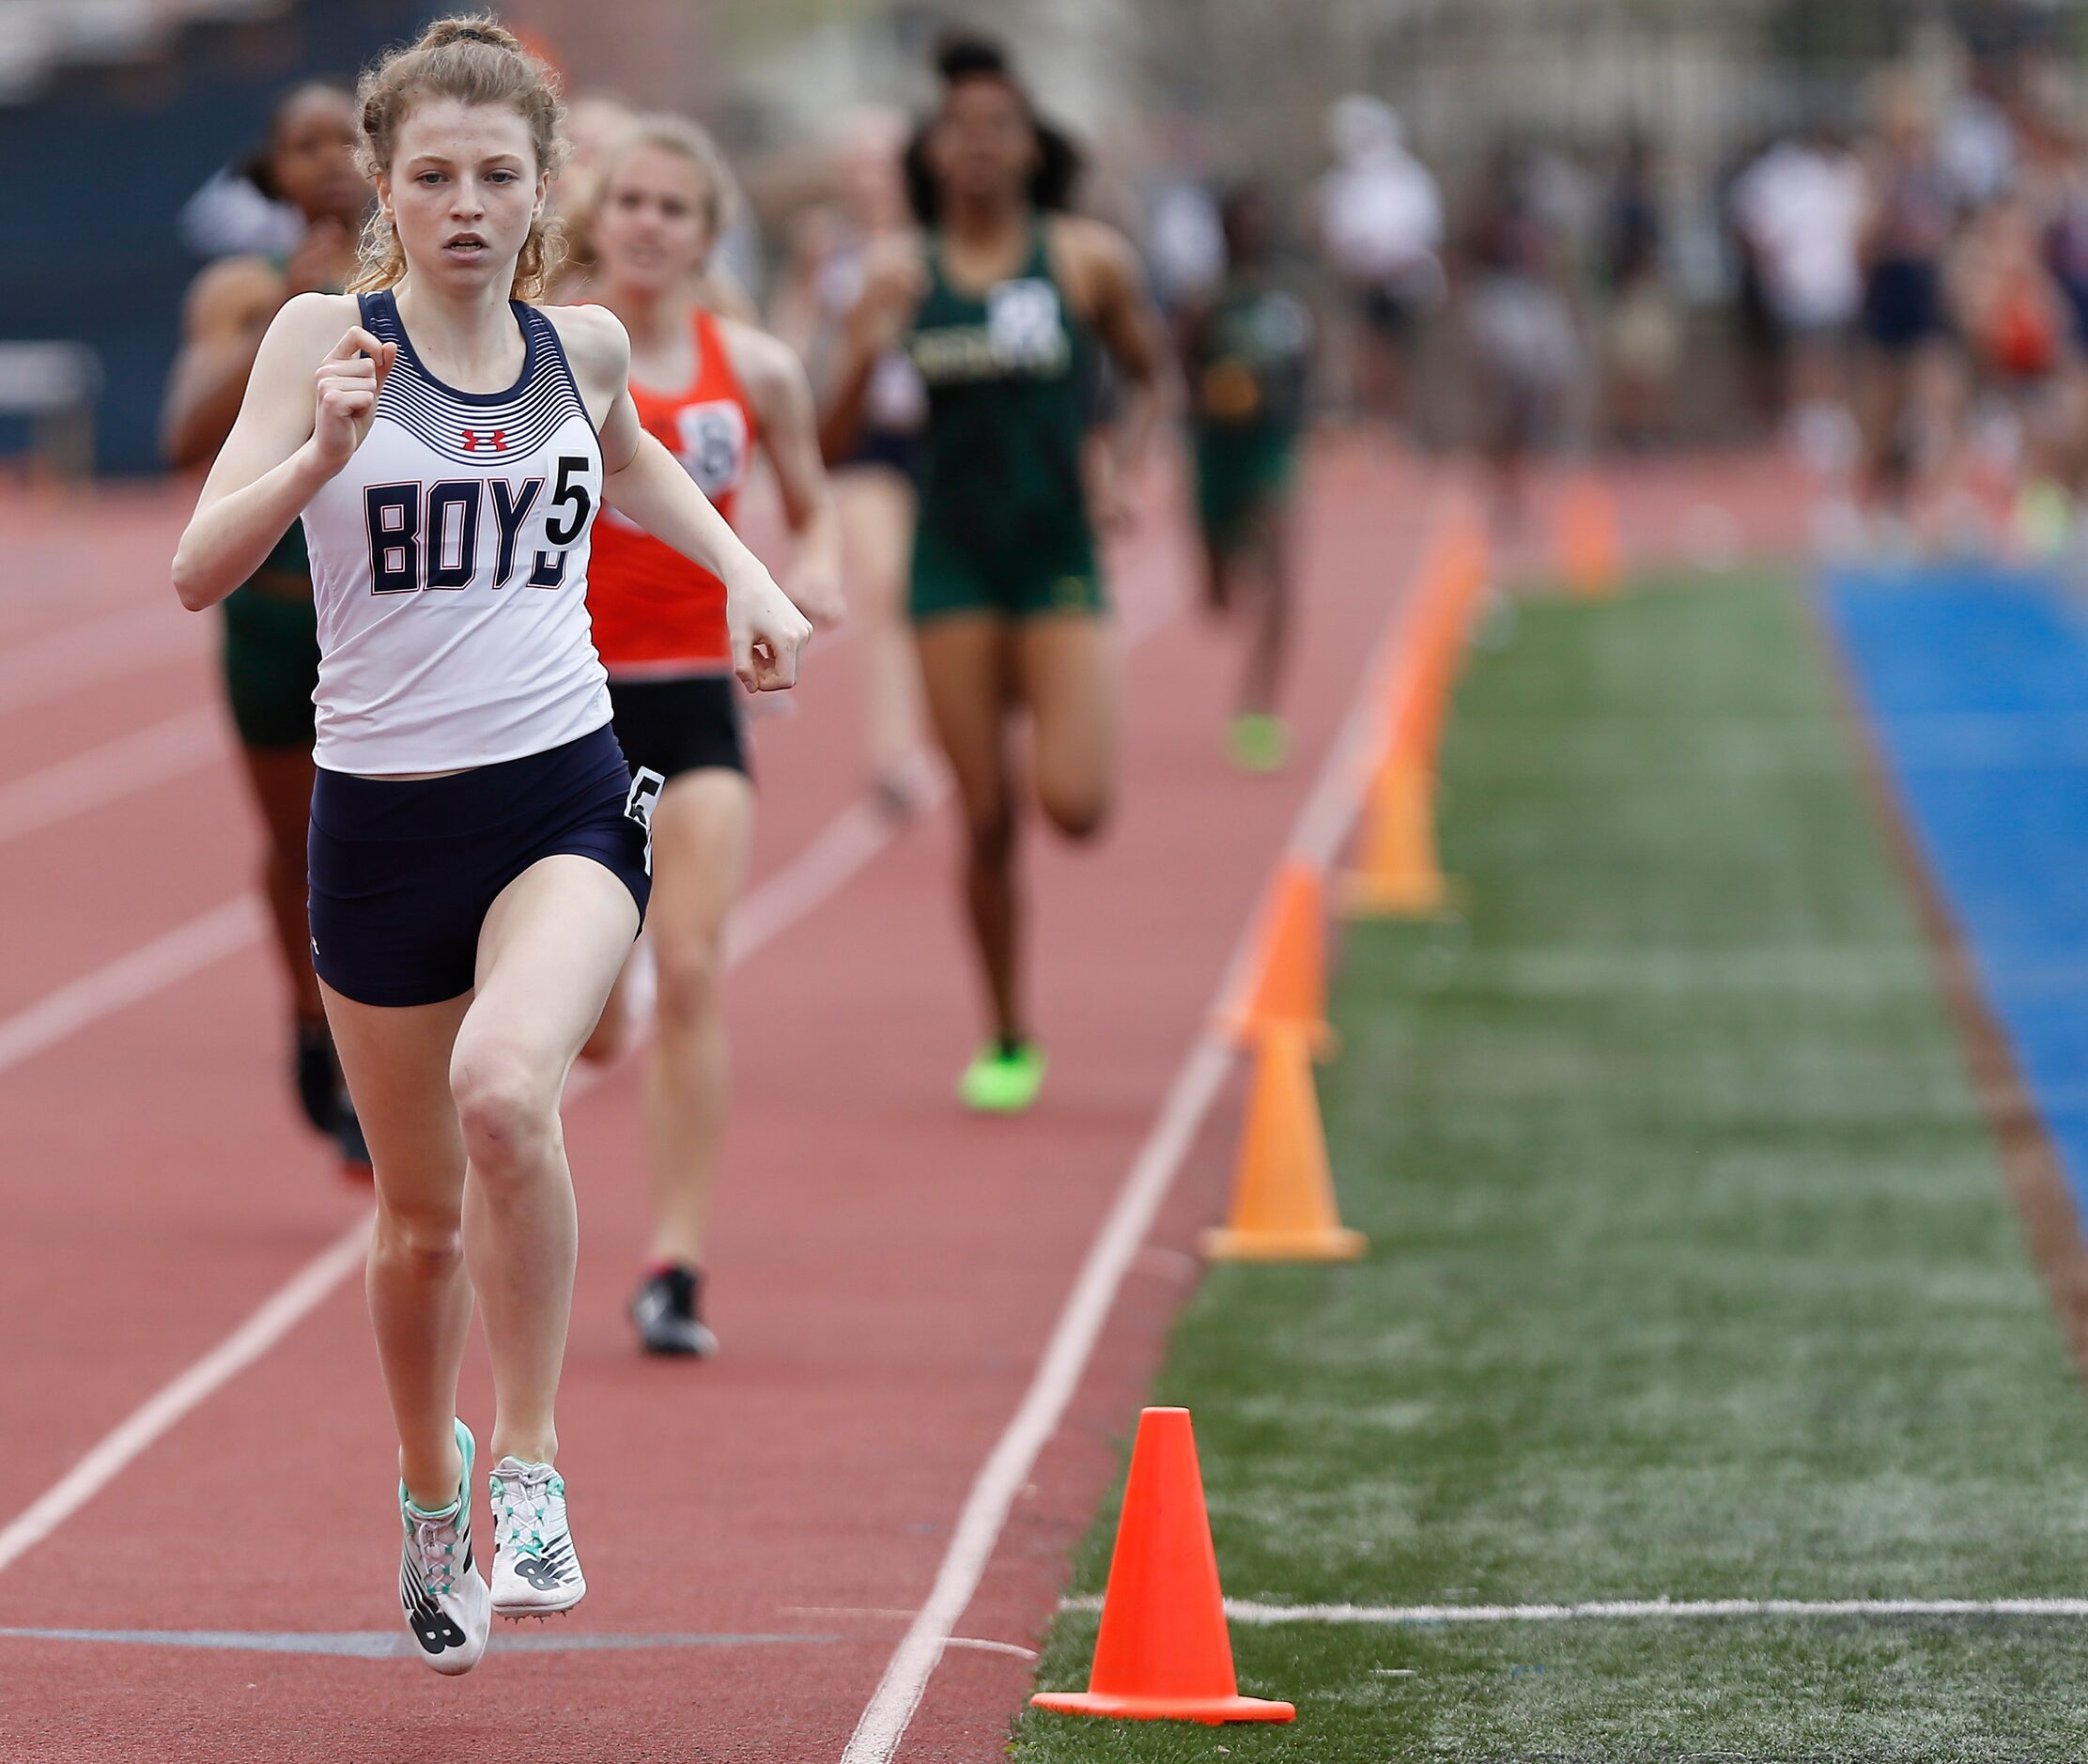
96,651
96,777
801,885
1321,825
1251,1612
173,956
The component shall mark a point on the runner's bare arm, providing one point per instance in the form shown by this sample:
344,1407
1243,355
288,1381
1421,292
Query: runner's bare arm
223,321
1130,328
643,480
298,426
895,279
789,431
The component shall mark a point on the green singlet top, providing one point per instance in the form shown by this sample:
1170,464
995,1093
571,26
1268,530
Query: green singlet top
1012,379
1247,365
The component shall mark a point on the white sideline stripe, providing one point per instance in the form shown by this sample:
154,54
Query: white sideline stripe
1318,833
844,846
174,956
115,770
240,1349
1247,1611
99,649
849,841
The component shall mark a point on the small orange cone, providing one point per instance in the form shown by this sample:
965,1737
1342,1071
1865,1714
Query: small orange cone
1283,1193
1590,556
1398,874
1164,1652
1285,979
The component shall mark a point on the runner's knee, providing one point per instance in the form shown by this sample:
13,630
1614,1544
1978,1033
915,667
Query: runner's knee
506,1105
1077,811
425,1242
688,968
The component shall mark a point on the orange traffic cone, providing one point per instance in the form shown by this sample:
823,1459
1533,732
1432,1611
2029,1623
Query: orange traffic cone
1398,874
1589,557
1283,1195
1286,978
1164,1651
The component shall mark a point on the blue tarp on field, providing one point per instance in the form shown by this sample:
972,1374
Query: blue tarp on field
1975,680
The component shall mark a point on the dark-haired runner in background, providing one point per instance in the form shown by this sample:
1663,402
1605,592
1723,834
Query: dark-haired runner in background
1247,351
272,646
1006,306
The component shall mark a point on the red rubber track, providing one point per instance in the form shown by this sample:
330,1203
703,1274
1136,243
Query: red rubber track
885,1272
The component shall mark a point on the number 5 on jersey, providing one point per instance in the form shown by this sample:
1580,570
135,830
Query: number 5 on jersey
428,536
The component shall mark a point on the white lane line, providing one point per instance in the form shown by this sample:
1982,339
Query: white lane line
1320,825
168,1404
1249,1611
103,775
796,888
226,928
844,846
99,649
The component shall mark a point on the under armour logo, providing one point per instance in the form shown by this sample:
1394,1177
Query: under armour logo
497,440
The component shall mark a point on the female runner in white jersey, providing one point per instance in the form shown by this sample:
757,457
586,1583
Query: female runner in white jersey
478,855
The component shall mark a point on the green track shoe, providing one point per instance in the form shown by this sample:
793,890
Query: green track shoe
1003,1081
1259,742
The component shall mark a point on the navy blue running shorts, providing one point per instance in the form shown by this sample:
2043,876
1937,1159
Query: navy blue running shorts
402,871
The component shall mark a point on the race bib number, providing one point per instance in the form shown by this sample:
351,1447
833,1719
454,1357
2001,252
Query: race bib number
646,784
1022,317
713,445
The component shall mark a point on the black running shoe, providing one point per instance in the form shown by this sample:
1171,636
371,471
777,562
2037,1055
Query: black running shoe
317,1074
665,1311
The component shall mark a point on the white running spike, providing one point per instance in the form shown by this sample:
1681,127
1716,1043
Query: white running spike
535,1569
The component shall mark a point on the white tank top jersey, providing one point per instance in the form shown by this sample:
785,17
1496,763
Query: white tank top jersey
449,568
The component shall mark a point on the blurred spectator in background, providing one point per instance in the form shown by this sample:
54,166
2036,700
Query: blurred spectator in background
1184,236
1381,222
1801,207
2017,325
831,246
1754,333
1907,368
1642,336
1525,351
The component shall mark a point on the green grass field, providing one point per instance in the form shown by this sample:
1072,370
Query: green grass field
1693,1274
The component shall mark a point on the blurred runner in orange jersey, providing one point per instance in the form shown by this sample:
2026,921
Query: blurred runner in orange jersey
711,389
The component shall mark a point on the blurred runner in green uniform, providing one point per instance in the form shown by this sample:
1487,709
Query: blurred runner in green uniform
271,646
1247,351
1006,306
